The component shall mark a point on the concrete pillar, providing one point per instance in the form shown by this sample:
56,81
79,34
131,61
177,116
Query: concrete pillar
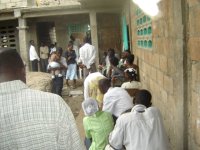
94,36
23,44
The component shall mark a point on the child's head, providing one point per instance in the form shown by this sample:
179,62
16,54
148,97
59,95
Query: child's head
130,74
90,106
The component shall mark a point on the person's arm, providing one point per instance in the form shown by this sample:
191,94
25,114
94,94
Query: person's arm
93,54
41,51
34,53
68,136
86,128
81,57
116,136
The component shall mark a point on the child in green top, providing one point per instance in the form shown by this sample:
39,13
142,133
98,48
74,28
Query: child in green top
97,125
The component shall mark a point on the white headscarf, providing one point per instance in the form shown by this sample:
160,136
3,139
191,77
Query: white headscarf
90,106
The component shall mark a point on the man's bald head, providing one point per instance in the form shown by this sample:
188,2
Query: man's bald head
11,65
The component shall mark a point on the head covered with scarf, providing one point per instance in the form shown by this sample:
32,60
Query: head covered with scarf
131,73
90,106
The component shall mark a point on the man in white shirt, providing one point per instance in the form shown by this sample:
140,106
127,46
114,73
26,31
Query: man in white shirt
87,58
141,129
32,119
116,100
44,55
34,58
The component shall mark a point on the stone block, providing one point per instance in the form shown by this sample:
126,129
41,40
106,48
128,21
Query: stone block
195,76
193,46
2,6
22,4
5,1
164,96
171,66
168,84
160,78
194,21
163,63
11,5
155,60
153,74
193,2
146,56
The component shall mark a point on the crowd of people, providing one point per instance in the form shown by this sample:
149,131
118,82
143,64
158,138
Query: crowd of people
63,64
114,118
132,123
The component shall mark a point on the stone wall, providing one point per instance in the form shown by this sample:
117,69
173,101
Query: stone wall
194,74
109,32
161,68
5,4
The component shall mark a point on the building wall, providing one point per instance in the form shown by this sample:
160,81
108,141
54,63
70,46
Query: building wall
194,74
5,4
161,68
109,33
60,22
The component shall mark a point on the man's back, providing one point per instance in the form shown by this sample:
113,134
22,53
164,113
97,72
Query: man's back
87,54
31,119
140,130
117,101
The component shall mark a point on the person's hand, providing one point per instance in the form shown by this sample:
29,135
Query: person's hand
69,58
82,66
113,80
100,67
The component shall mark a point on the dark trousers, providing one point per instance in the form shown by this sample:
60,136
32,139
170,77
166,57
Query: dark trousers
34,64
88,143
44,63
57,85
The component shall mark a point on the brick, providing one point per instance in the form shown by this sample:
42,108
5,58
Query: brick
193,2
168,84
146,56
194,44
22,4
164,96
171,66
2,6
5,1
160,78
153,74
194,21
155,60
163,63
10,5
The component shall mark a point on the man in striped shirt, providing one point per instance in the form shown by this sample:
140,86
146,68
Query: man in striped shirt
31,119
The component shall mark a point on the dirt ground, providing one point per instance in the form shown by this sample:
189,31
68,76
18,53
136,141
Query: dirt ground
74,98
